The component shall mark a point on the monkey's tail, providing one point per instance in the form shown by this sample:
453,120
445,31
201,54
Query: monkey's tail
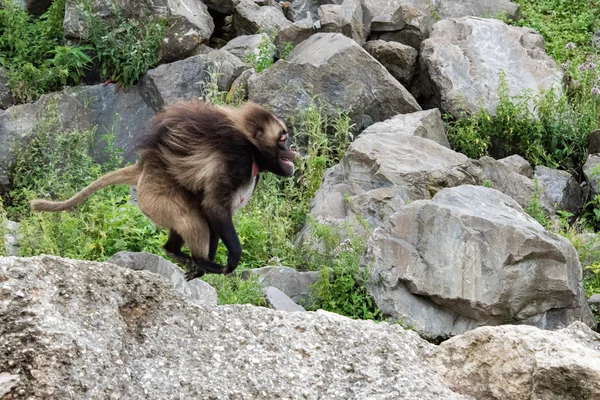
128,175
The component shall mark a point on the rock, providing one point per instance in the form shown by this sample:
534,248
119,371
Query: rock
239,87
186,79
464,58
189,22
470,257
519,362
243,46
400,60
591,172
415,17
196,290
517,164
346,18
477,8
7,382
6,99
97,329
426,124
124,114
331,67
11,237
280,301
303,9
296,33
520,188
249,18
595,299
295,284
561,188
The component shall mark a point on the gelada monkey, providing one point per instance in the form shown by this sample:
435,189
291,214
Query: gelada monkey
197,166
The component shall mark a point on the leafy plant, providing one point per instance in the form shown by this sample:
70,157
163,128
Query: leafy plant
554,132
267,51
534,207
34,54
343,286
127,48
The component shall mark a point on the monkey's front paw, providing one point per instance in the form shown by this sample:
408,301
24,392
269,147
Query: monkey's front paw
193,273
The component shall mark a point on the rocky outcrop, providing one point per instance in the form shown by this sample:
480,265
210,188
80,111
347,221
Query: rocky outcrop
85,330
591,172
331,67
187,79
471,256
345,18
245,45
522,362
465,58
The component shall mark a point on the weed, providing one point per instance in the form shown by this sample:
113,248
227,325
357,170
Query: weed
34,54
342,288
267,51
127,49
534,207
553,132
235,290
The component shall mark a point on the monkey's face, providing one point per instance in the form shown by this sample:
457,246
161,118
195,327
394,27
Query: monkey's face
274,154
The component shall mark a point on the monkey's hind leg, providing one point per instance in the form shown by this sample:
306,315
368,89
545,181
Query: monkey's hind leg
173,250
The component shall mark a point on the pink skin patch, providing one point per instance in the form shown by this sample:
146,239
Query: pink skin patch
255,170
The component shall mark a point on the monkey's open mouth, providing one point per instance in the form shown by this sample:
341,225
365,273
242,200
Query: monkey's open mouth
286,161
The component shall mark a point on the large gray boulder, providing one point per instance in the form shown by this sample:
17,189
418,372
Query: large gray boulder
197,290
245,45
249,18
405,21
331,67
471,256
465,57
189,21
476,8
124,114
399,59
346,18
561,187
522,362
187,79
86,330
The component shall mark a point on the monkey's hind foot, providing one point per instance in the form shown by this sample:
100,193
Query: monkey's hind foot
193,273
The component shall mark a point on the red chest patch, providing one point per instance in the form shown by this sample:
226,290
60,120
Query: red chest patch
255,170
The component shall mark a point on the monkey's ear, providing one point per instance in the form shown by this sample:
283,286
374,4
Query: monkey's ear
259,133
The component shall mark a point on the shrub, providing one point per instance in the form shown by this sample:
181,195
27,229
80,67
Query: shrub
267,51
553,133
33,51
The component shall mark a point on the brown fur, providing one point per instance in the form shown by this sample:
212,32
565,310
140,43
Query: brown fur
193,166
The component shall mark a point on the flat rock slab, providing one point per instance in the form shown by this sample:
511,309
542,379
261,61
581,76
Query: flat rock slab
86,330
280,301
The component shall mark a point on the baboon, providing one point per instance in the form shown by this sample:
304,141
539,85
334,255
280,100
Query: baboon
196,167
